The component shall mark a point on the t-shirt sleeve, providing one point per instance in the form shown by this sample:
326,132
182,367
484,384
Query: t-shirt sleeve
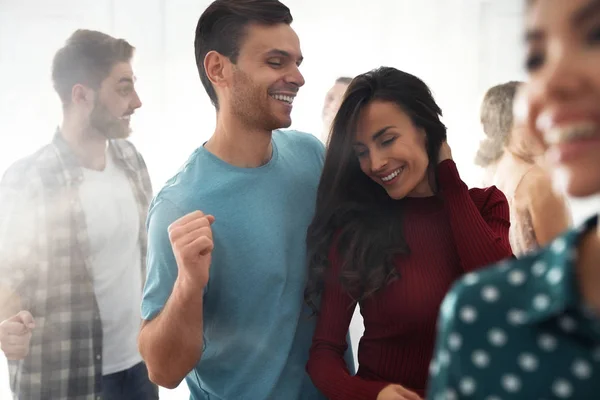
319,149
161,264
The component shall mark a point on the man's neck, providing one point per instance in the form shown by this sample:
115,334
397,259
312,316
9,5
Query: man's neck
238,145
588,268
88,145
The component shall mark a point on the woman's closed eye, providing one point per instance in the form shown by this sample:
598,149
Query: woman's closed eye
389,141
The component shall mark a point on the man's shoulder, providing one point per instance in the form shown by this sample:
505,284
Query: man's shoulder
302,149
192,179
127,151
295,138
27,170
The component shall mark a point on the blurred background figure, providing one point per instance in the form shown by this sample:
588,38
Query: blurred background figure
511,160
73,238
333,99
530,328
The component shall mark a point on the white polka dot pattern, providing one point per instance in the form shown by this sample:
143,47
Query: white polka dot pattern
555,276
517,277
541,302
562,389
547,342
490,294
468,314
516,334
559,246
582,369
567,324
497,337
539,268
444,359
454,341
511,383
516,317
528,362
480,359
471,279
467,386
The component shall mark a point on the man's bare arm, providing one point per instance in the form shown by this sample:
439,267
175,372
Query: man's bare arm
171,344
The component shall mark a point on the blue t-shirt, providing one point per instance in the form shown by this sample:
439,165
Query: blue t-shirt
257,330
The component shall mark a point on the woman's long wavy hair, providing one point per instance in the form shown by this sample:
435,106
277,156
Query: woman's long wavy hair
352,209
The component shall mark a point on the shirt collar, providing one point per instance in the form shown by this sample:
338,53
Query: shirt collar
558,281
70,165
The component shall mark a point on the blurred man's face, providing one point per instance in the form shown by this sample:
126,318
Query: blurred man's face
333,99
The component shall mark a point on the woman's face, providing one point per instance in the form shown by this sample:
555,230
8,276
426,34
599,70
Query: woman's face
391,150
563,61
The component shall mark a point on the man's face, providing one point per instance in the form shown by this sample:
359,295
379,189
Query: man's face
115,102
266,77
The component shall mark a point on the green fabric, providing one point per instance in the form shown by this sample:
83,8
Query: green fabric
519,330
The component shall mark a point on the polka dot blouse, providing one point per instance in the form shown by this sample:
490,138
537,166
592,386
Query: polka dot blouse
519,331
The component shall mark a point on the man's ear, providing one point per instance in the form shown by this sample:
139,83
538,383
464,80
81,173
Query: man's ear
82,96
218,68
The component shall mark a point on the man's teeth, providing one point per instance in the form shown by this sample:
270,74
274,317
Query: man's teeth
392,175
565,134
126,118
281,97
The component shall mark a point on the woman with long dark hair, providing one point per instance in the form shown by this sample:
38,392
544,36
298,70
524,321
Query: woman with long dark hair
394,227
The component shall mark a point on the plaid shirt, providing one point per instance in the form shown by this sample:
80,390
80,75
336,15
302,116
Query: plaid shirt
44,257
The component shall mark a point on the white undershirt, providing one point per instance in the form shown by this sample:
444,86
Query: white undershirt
113,227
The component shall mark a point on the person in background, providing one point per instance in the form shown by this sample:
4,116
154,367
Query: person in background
333,99
512,163
530,328
223,303
73,242
395,226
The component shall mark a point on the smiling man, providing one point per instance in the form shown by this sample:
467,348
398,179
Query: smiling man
240,206
72,238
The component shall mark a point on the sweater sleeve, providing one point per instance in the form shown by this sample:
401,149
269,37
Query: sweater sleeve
480,221
326,366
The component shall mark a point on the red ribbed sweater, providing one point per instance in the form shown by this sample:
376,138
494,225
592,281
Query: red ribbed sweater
457,232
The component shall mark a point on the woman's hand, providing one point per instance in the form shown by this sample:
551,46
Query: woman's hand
397,392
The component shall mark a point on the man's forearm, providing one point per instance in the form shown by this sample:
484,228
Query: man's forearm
171,344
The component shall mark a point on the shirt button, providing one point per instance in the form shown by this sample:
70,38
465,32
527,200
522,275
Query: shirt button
98,357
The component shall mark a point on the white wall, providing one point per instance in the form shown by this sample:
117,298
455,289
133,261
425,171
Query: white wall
459,47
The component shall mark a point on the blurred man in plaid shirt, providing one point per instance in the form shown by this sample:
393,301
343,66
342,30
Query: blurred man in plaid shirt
73,238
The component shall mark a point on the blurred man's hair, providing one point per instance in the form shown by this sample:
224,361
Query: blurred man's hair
87,58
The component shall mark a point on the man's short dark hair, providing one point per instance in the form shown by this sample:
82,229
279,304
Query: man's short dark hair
344,80
222,27
87,59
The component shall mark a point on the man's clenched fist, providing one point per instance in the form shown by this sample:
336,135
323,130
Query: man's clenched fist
192,243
